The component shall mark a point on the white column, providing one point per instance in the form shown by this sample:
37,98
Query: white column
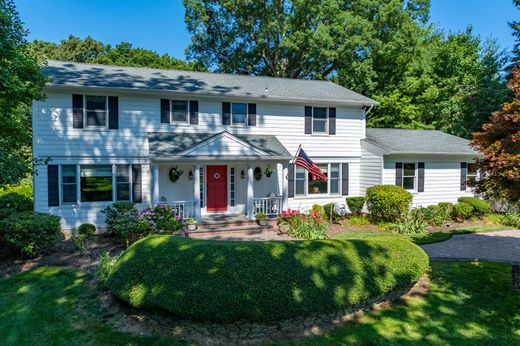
250,192
155,184
285,186
196,190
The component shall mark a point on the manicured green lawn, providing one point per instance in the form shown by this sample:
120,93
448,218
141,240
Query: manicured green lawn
421,239
467,304
54,306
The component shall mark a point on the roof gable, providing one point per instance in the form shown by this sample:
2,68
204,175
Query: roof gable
223,144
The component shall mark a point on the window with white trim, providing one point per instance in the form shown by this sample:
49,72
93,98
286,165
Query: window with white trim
96,183
300,181
69,191
239,114
179,111
304,185
318,186
96,110
409,176
472,173
123,183
334,178
319,120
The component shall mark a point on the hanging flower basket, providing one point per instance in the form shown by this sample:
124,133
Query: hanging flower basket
174,174
268,171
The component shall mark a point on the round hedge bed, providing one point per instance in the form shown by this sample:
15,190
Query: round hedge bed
226,281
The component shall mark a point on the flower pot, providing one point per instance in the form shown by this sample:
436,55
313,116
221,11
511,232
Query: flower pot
192,226
283,228
262,222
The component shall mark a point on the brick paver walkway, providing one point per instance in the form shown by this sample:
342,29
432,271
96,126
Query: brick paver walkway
501,246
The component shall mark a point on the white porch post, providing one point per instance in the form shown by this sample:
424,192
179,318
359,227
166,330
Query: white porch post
155,184
250,192
196,190
285,186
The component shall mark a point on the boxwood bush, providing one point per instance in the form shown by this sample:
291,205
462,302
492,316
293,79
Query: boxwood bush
355,204
462,211
480,207
225,281
30,233
388,202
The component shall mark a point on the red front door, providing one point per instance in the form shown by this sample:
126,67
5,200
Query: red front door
216,188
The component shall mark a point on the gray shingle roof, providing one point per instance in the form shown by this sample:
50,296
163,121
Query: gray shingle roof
200,83
165,145
403,141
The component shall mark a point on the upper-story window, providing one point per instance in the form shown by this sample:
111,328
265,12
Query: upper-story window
180,111
96,110
239,113
319,120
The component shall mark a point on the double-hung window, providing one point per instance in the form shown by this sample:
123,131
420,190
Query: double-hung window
334,178
304,185
68,184
300,181
239,113
96,183
471,176
123,183
180,111
318,186
319,120
409,176
96,110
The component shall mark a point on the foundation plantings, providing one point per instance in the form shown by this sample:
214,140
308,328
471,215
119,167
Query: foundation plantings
226,281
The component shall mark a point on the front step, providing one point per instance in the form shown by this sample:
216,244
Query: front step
230,230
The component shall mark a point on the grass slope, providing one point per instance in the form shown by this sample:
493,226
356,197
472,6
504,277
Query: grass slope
467,304
262,281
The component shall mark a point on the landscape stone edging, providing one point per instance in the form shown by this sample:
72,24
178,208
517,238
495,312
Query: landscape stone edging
139,322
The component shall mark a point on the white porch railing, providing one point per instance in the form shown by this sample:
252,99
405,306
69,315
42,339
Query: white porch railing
185,209
268,205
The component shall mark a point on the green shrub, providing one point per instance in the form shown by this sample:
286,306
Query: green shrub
226,281
511,219
30,233
316,208
413,223
388,202
5,212
434,215
161,219
121,219
480,207
106,265
330,215
86,234
19,198
462,211
355,204
447,209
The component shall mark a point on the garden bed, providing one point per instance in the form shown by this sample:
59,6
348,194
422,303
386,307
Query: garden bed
223,281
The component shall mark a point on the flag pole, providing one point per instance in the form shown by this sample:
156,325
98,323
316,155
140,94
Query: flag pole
296,155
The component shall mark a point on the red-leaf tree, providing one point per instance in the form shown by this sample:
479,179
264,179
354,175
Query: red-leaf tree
499,141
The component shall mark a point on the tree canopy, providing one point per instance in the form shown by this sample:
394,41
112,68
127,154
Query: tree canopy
20,82
422,77
89,50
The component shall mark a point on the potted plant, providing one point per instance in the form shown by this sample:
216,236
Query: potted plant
261,218
191,224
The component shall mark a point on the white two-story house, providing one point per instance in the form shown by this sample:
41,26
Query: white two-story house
210,143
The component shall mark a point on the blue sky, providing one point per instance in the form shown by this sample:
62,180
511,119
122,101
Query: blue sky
159,24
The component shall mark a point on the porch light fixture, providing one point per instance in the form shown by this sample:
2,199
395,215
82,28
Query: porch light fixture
190,175
242,175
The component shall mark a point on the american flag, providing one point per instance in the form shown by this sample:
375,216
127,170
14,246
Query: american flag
304,161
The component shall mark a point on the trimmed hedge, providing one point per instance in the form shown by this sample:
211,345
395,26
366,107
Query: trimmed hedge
226,281
355,204
462,211
388,202
480,207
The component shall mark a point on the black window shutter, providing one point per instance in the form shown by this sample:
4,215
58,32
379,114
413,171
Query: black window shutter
290,179
137,184
399,174
113,112
420,180
165,111
77,111
332,121
463,175
226,113
251,114
308,120
53,185
194,112
344,179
